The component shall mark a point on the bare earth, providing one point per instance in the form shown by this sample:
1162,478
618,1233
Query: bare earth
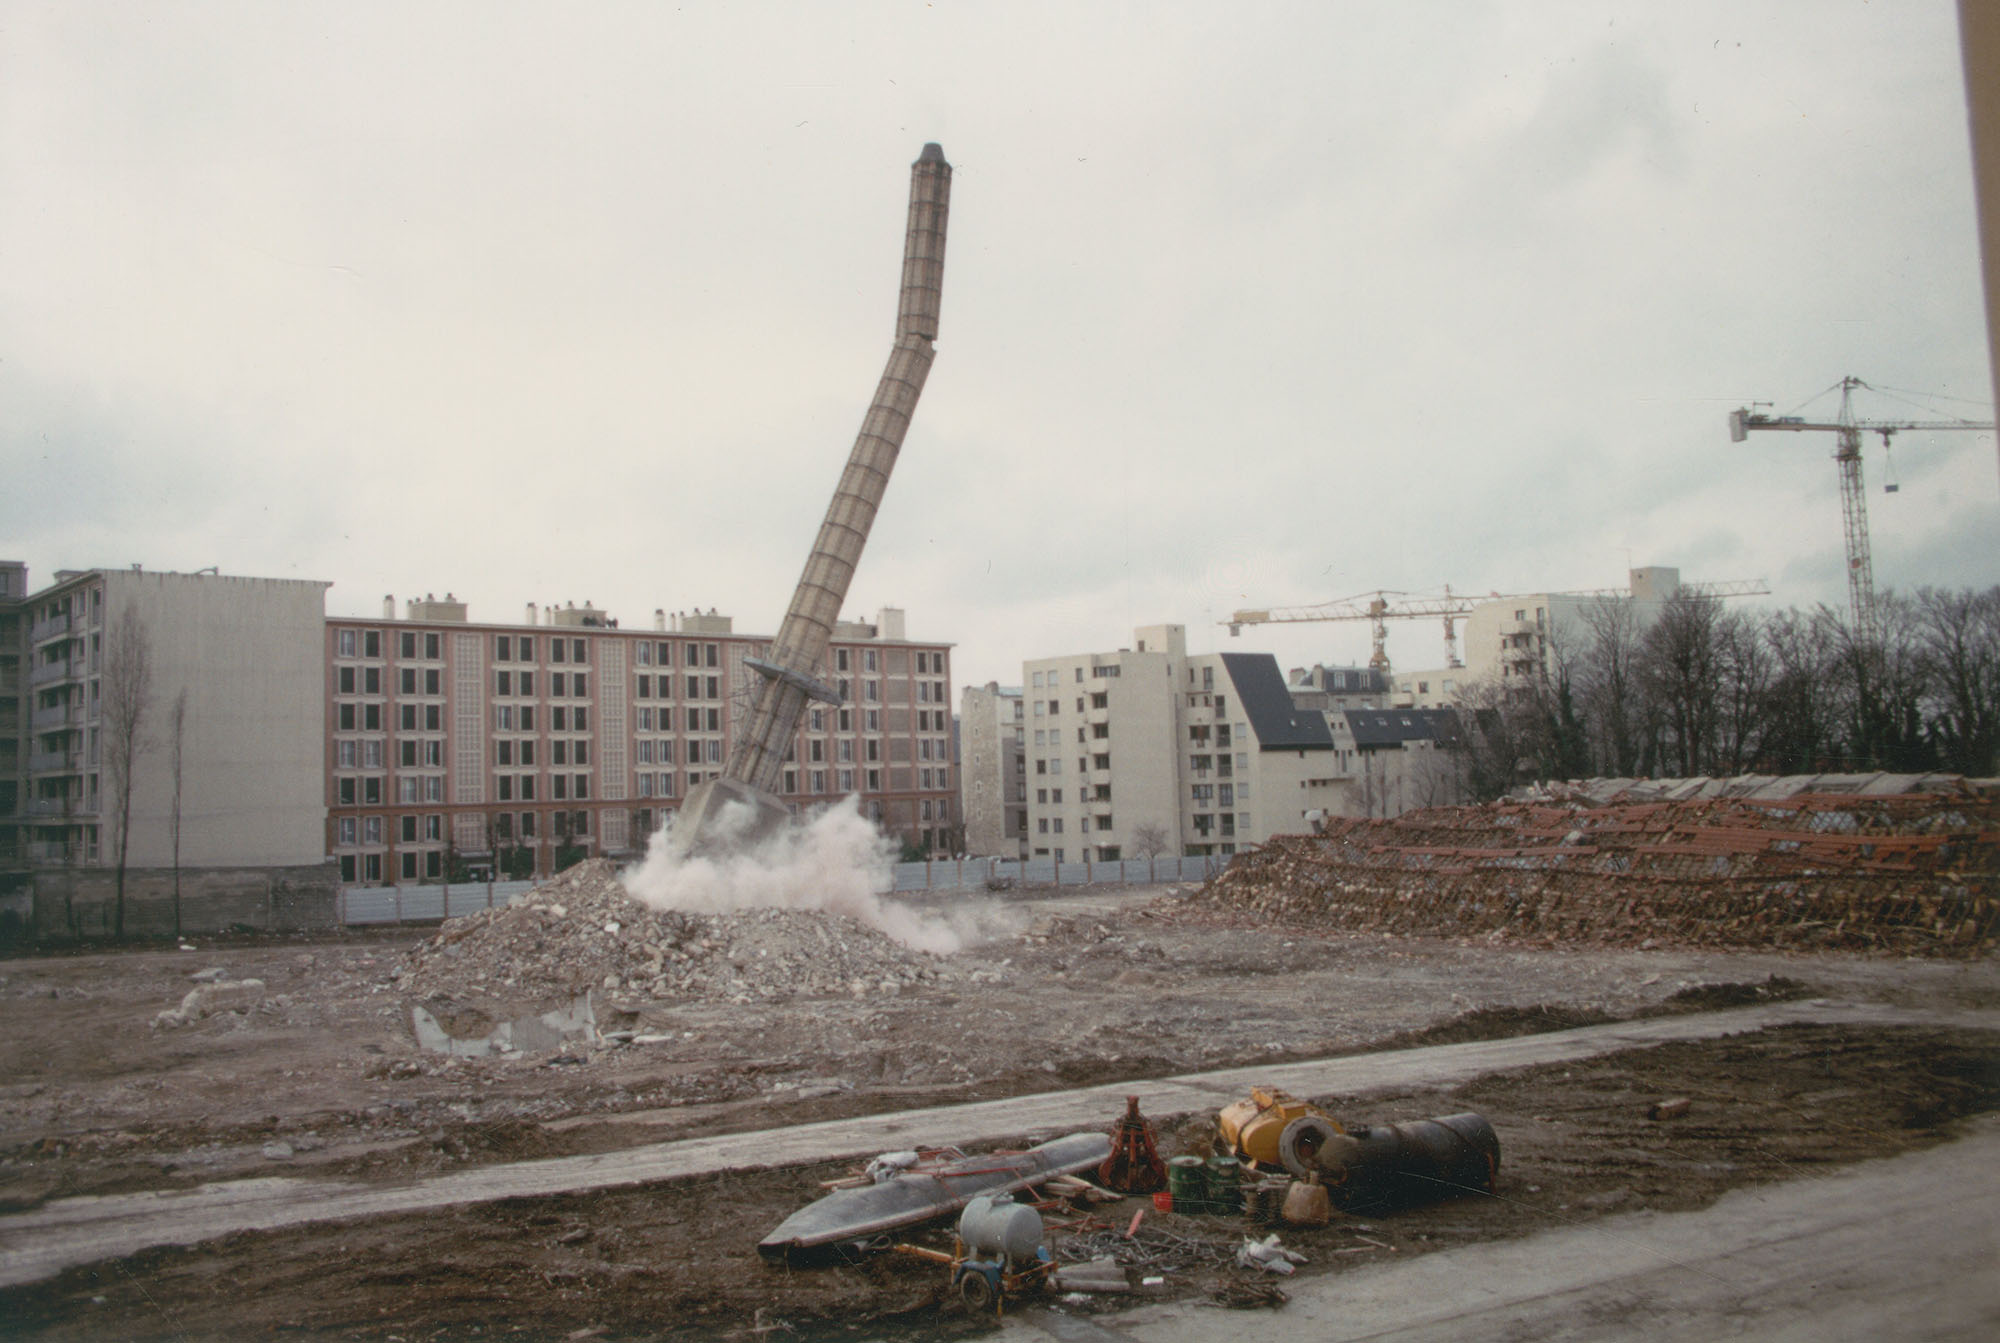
324,1077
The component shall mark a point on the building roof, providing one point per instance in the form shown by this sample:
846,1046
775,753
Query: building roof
1393,727
1279,725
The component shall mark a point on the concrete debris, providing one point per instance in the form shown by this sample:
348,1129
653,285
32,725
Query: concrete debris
581,933
1268,1255
472,1035
235,995
1913,872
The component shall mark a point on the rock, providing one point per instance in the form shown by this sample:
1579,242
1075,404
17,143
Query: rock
238,995
277,1151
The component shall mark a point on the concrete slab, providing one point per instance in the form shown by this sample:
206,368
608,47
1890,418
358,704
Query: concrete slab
66,1232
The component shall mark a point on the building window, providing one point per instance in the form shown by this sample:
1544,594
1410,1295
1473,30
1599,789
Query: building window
346,643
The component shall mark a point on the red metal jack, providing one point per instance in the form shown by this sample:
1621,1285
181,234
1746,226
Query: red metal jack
1134,1166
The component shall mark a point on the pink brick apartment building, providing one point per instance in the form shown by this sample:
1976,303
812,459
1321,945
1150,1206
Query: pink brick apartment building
567,733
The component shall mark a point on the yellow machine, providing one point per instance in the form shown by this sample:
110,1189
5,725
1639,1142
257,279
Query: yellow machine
1275,1129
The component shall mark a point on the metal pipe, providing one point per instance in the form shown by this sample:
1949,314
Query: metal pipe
1418,1162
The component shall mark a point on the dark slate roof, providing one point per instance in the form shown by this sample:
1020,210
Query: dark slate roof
1392,727
1277,722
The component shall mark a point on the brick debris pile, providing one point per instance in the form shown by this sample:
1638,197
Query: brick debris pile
1914,873
581,931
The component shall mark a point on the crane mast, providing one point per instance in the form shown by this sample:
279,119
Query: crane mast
1847,431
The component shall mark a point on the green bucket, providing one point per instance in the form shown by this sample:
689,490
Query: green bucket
1225,1189
1187,1181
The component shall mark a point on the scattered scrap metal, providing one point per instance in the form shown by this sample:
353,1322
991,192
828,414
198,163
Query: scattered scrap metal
1916,872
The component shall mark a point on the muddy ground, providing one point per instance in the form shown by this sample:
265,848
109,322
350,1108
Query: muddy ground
324,1078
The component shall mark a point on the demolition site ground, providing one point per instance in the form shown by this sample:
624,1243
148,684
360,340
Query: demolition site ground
762,1021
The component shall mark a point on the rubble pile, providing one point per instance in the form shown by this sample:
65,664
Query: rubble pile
1917,873
581,931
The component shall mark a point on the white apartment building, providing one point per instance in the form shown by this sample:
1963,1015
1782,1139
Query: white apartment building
241,656
1510,638
1149,748
993,798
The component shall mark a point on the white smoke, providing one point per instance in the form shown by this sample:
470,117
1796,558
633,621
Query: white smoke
833,860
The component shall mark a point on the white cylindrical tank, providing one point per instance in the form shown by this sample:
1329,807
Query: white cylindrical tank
1000,1227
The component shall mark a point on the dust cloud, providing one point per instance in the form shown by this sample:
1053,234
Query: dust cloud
833,860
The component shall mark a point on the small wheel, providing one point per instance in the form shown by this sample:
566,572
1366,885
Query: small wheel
976,1290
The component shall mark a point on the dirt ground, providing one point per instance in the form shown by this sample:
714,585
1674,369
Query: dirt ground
323,1077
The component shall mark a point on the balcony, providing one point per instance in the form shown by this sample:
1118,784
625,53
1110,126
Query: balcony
62,669
62,715
55,762
10,677
51,806
43,630
51,851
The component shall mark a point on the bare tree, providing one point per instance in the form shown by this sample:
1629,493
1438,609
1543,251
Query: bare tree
1609,688
1682,676
1879,687
1797,731
126,695
1149,840
1958,635
177,736
1745,672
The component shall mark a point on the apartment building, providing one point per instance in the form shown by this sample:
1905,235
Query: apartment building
1148,749
1513,638
993,795
1387,761
1329,688
527,745
14,620
235,660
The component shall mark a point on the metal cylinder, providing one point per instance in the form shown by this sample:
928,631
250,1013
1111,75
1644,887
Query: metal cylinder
1187,1181
1001,1228
759,755
1419,1162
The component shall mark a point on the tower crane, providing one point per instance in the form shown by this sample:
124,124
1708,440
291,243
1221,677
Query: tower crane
1378,608
1847,430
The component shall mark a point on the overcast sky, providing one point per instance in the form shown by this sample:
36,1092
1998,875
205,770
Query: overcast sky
1243,305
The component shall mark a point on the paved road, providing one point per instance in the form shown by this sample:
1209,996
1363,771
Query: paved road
67,1232
1906,1248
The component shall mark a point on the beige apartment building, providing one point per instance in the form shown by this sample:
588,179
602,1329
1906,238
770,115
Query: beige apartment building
239,659
523,746
993,795
1148,749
